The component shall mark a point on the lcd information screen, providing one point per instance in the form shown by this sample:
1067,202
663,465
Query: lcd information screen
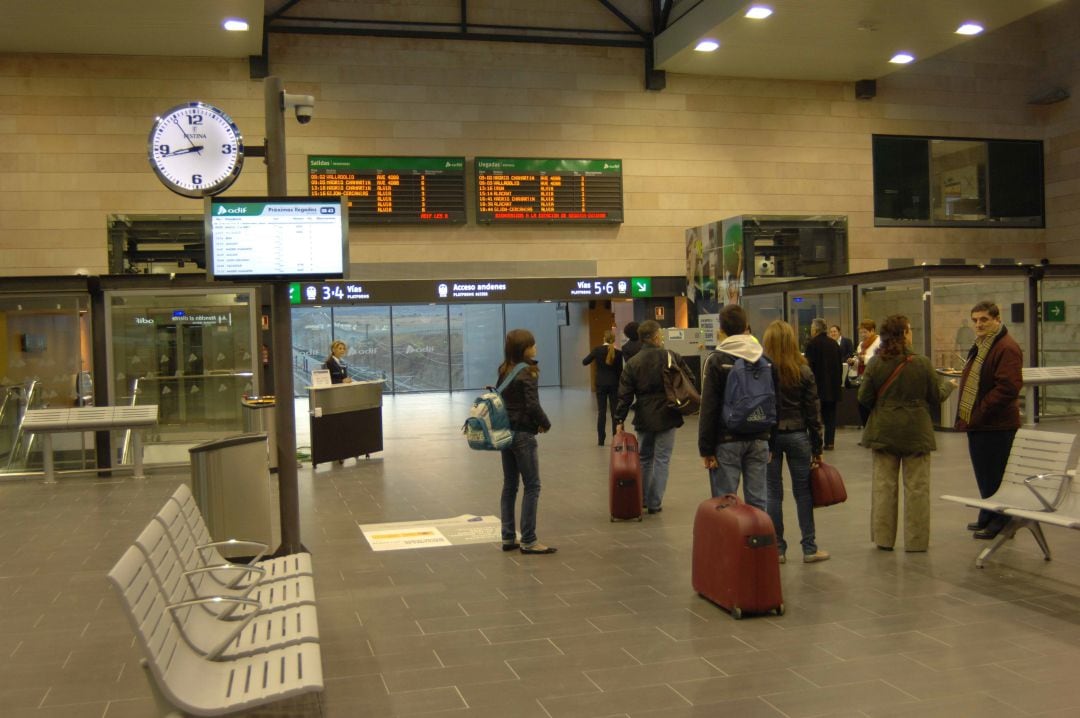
406,190
287,238
523,190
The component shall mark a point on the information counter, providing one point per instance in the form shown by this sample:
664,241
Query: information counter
346,420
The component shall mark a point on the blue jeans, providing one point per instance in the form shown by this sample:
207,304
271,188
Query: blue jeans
796,446
520,460
655,449
741,458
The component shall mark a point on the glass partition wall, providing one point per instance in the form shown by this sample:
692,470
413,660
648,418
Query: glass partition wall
192,354
831,304
422,347
880,300
45,361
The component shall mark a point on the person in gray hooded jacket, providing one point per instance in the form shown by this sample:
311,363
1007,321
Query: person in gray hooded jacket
725,454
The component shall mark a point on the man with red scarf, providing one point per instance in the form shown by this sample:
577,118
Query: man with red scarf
989,408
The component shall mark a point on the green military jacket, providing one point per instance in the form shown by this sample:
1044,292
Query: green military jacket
900,420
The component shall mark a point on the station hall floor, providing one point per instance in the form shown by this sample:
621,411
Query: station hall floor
608,626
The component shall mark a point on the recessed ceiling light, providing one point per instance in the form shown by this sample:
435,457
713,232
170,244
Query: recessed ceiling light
707,46
758,12
901,58
969,28
233,24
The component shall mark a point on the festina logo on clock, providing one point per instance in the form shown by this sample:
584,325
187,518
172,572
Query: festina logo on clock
196,150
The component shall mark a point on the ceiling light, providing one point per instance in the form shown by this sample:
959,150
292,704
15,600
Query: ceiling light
758,12
707,46
901,58
969,28
233,24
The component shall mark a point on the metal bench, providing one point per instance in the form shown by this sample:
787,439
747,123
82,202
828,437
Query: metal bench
1041,376
186,681
47,422
1037,458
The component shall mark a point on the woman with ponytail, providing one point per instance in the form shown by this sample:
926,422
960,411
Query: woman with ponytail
609,364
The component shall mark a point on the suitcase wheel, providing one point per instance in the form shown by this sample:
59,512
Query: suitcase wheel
780,610
736,613
642,518
612,519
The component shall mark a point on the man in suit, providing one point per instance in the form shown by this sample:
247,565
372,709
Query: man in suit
823,356
847,348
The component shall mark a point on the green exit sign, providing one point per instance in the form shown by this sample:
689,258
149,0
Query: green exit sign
1054,311
641,286
294,293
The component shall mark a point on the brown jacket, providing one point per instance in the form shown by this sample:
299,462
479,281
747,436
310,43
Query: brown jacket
997,403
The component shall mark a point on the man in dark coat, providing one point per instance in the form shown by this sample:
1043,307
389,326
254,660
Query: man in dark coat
847,348
823,356
989,407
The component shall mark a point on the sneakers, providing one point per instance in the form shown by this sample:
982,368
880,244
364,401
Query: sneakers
538,548
815,557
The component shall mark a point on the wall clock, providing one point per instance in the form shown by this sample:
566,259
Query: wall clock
196,150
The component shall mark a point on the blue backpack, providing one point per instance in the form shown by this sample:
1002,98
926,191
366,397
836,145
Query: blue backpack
749,397
488,425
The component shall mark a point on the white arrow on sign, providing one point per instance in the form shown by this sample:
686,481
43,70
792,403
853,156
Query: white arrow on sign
1055,310
641,286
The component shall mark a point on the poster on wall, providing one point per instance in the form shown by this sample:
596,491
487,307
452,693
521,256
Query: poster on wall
714,264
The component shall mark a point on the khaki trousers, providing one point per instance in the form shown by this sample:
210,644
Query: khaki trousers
883,505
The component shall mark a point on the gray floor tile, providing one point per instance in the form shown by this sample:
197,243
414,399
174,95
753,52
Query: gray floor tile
609,626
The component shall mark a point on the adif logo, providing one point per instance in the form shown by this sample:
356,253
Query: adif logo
222,209
611,165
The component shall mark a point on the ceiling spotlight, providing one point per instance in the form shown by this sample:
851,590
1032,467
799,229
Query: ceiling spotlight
707,46
901,58
233,24
969,28
758,12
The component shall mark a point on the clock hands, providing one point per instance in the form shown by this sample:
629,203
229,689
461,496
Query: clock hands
188,150
193,148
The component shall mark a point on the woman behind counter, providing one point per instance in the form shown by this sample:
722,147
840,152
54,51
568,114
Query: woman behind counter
339,373
898,388
609,363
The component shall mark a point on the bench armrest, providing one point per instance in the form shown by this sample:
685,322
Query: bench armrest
212,571
1064,485
233,627
259,547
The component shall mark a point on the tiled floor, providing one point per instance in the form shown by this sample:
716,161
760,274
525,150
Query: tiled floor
607,627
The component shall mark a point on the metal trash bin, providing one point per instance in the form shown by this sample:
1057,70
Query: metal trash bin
230,479
259,416
946,417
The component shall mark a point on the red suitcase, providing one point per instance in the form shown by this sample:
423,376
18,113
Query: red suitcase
736,564
624,478
826,486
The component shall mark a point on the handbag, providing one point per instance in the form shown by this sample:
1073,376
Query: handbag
679,389
826,485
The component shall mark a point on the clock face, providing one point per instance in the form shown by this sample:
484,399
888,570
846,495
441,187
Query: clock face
196,150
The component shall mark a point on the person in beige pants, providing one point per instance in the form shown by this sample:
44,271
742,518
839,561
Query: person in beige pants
898,388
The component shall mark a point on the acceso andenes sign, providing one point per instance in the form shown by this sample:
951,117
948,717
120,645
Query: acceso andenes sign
477,290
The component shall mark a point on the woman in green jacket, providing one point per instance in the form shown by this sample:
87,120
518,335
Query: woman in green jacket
899,387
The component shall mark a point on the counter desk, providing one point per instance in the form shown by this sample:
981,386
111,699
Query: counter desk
346,420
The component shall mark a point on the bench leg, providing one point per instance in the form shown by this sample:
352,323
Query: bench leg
47,458
1004,535
136,447
165,709
1036,530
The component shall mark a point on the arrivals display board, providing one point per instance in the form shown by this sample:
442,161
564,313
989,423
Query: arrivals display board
276,238
387,190
553,191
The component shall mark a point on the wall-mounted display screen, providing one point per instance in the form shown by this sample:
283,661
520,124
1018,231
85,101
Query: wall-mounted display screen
268,238
523,190
406,190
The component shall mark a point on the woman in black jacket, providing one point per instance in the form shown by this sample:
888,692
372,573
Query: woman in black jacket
339,373
609,363
527,419
797,436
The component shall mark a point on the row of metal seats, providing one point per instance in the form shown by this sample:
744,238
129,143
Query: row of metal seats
1037,488
217,637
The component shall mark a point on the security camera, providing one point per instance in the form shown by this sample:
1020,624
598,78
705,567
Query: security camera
304,105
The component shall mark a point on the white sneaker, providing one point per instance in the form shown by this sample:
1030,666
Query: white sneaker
815,557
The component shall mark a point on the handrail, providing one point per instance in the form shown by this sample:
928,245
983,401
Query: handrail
22,444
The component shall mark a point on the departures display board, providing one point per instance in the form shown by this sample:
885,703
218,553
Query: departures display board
404,190
532,190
